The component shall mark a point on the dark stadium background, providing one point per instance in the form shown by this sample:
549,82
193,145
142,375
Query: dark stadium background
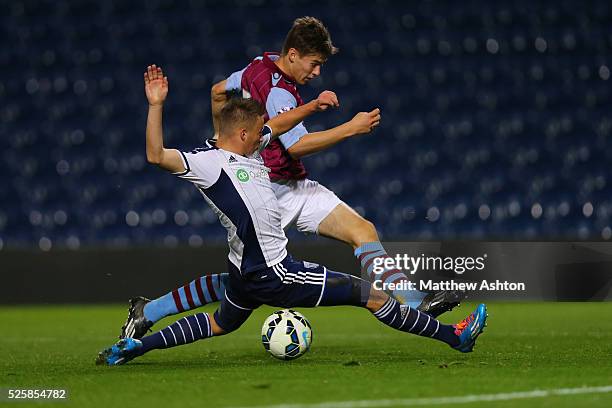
496,120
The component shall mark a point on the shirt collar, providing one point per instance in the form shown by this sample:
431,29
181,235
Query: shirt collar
268,61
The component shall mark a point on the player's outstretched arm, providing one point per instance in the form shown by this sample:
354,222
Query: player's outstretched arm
218,98
156,89
311,143
288,120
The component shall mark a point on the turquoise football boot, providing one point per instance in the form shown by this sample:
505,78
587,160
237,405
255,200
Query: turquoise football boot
470,328
120,353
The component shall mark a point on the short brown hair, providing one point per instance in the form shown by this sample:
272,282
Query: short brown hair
309,36
239,112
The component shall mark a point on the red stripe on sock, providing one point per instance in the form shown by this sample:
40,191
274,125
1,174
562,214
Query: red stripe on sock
211,290
200,291
371,261
390,273
364,254
177,301
366,266
187,289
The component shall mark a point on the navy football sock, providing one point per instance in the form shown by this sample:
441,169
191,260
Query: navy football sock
185,331
199,292
407,319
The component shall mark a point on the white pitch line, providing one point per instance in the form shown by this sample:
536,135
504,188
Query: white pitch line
411,402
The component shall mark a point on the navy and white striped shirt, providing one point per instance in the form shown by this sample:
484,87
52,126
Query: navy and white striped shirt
239,191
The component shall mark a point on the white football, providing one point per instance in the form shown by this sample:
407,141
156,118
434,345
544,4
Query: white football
286,334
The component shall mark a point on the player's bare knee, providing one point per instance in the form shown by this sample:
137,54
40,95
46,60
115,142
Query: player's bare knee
376,300
365,232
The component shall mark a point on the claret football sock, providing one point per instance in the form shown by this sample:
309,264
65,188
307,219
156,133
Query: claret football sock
407,319
199,292
370,251
184,331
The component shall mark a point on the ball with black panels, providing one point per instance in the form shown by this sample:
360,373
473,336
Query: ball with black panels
286,334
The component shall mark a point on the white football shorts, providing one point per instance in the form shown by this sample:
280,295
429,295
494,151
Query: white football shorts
304,203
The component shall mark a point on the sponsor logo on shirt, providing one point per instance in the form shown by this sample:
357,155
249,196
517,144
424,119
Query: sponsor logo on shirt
243,175
285,109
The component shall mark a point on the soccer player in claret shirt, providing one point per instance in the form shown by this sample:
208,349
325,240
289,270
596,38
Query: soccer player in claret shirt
234,181
272,79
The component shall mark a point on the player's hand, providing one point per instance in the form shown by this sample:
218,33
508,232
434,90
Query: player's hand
364,122
327,99
156,85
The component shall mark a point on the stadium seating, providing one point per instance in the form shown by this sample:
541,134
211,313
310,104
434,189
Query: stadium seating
496,116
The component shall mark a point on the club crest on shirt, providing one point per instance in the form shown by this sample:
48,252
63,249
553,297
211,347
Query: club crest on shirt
275,78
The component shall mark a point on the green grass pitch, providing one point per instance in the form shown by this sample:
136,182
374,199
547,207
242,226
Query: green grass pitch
527,346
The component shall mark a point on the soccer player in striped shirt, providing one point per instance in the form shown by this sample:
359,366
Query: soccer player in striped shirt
234,181
273,80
